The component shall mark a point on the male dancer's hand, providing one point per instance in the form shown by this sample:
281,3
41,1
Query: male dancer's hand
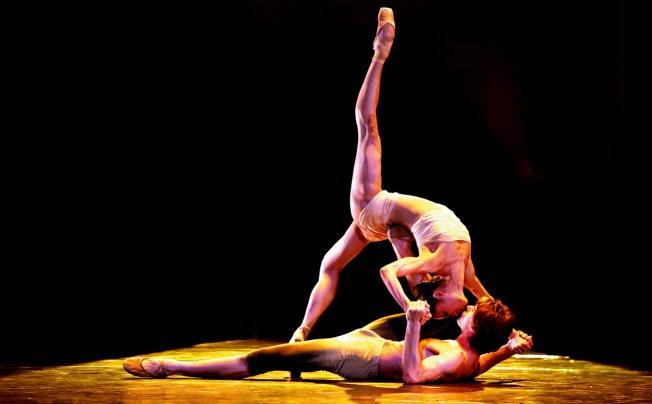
519,342
419,311
299,335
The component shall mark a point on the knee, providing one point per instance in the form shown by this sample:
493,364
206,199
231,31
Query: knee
366,119
329,268
256,363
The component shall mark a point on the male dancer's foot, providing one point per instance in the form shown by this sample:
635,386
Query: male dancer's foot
146,367
384,34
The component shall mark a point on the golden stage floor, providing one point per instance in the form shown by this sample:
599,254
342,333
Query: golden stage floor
521,379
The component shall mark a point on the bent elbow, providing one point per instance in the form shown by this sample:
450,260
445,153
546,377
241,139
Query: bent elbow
385,272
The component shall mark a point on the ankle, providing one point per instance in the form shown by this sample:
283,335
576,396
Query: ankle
378,60
169,366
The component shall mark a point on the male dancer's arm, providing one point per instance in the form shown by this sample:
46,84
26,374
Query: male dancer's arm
416,369
518,342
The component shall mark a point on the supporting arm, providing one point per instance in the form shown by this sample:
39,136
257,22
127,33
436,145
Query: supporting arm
429,263
402,241
473,284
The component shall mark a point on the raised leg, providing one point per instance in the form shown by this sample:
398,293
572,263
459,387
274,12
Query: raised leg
366,182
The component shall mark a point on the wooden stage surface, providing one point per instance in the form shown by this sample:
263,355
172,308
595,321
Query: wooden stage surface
528,378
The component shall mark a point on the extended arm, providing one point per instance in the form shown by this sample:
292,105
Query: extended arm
412,355
518,342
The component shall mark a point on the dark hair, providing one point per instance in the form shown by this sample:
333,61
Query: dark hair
492,323
426,288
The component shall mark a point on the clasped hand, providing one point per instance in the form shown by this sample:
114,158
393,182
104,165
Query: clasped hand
519,342
418,311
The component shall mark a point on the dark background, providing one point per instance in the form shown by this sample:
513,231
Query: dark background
181,176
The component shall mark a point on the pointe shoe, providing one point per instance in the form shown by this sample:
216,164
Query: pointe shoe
134,365
384,37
